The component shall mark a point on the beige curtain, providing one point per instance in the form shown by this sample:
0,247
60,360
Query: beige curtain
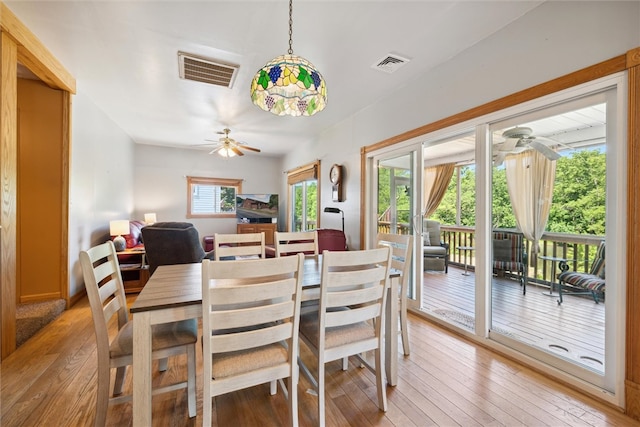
530,178
436,180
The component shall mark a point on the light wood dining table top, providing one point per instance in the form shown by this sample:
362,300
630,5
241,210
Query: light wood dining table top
181,284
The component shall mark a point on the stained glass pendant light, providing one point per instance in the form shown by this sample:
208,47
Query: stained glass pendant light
289,84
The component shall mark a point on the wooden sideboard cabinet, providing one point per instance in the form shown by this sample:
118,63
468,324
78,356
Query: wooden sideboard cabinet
267,228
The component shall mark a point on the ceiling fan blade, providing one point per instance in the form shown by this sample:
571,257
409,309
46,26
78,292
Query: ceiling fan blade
215,149
552,141
246,147
508,145
546,151
499,158
235,150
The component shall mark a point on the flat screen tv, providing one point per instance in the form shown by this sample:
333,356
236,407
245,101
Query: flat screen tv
259,208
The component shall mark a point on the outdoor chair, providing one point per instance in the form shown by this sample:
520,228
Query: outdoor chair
435,251
591,283
509,254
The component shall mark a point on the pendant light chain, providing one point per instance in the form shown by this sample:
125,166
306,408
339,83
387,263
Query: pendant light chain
290,27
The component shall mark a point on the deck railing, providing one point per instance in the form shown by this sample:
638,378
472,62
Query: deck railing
578,250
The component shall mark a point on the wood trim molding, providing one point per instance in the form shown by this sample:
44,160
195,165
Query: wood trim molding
8,191
33,54
64,203
632,375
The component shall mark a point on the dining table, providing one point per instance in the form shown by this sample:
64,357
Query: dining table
174,292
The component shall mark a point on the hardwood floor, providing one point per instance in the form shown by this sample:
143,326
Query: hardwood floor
447,381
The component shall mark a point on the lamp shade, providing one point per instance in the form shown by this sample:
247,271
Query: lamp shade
289,85
150,218
119,227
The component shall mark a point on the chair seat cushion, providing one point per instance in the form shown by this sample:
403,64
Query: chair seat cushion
239,362
439,251
165,335
583,280
507,265
336,336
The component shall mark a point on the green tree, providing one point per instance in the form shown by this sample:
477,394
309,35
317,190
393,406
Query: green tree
579,194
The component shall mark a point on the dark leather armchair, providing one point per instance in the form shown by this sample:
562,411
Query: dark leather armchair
169,243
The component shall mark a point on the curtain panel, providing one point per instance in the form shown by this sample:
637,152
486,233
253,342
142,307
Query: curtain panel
530,180
436,180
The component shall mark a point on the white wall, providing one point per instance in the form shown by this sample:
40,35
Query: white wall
161,183
552,40
101,181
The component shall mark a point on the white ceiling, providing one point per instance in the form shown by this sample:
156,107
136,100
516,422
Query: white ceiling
123,55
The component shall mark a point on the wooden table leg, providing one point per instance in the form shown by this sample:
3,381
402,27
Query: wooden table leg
142,369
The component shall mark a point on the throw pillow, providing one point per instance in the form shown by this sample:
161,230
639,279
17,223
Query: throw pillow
502,250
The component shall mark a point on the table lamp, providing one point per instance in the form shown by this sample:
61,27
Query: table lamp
119,228
150,218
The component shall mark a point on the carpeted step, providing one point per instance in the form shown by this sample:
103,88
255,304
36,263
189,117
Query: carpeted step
32,317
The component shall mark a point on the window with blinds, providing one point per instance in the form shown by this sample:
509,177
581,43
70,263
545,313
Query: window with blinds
303,197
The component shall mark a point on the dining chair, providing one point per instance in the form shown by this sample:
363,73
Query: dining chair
235,246
290,243
251,314
401,248
105,289
350,316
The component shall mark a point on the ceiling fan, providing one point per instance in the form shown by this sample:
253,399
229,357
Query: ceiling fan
520,138
229,147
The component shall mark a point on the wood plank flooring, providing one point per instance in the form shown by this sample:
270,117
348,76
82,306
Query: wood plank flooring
446,381
574,330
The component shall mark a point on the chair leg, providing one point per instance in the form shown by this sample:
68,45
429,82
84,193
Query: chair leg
191,380
404,329
345,363
119,382
273,387
102,396
559,292
321,418
293,400
381,383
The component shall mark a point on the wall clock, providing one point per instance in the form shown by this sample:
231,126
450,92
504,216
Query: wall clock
336,176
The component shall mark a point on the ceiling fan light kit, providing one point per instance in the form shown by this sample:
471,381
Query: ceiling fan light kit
229,147
289,84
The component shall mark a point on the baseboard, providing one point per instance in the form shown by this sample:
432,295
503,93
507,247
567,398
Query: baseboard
632,399
77,297
25,299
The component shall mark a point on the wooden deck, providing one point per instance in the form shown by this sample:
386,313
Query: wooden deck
574,329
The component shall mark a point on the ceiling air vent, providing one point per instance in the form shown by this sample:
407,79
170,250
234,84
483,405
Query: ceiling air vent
390,63
206,70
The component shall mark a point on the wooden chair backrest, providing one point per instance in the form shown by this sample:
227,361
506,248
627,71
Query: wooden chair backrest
290,243
357,279
238,245
401,249
103,282
248,294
